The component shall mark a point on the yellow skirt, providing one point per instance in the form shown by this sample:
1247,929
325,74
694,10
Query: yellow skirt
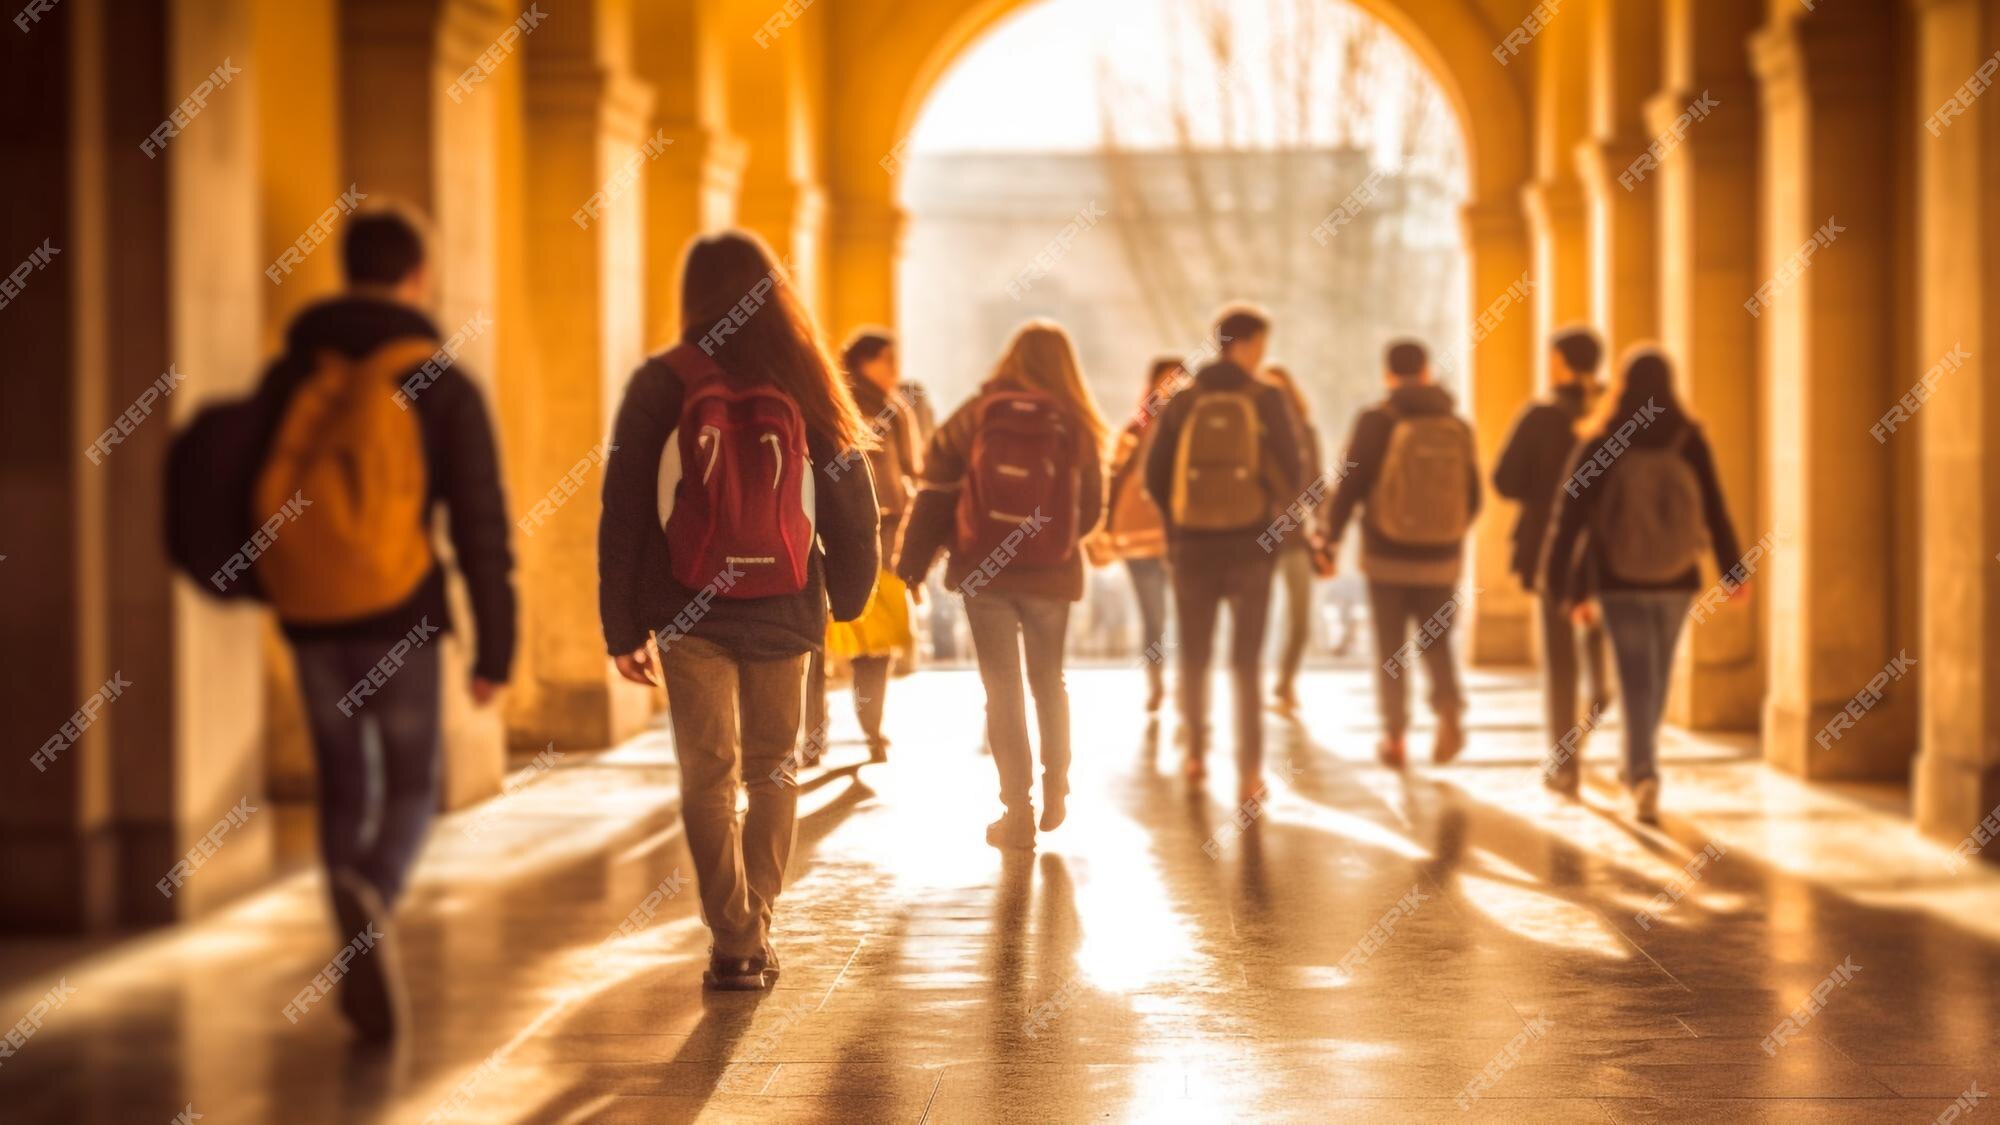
882,628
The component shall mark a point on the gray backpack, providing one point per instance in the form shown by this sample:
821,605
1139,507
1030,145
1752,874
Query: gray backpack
1651,517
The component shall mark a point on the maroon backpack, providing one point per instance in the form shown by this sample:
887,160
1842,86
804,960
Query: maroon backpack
736,497
1021,478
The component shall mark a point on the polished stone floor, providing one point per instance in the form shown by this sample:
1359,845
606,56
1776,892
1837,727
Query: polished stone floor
1449,945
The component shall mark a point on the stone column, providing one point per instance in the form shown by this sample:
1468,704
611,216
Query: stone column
1622,200
1708,193
586,118
1557,207
867,241
1958,425
418,127
151,265
1825,310
1496,238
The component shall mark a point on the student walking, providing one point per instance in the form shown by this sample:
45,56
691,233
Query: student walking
1013,481
1297,550
1134,531
1532,468
871,642
1224,462
728,539
1413,470
357,433
1638,508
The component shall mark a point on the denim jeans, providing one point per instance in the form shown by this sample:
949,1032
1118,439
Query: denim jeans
1644,626
1006,628
377,759
735,722
1201,586
1395,609
1295,573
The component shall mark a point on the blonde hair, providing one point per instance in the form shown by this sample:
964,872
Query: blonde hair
1042,358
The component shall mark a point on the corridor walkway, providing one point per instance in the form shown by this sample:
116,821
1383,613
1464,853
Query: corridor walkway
1156,961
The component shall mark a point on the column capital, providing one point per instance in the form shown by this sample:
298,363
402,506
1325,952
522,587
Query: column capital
1548,202
1733,119
620,104
1490,221
1820,57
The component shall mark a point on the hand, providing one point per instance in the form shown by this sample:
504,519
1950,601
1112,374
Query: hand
637,666
483,691
1584,614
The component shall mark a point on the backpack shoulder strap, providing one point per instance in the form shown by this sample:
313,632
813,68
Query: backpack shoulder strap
690,365
398,356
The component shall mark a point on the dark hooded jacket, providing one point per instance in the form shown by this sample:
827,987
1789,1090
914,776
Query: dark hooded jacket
1382,558
1532,468
463,469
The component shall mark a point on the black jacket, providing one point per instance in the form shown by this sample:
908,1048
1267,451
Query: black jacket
463,469
637,594
1573,567
1532,468
1281,443
1366,448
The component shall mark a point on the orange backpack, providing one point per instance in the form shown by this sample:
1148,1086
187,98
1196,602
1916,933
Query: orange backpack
347,461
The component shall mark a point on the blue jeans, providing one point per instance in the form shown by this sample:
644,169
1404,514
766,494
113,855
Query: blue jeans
1006,629
377,759
1644,626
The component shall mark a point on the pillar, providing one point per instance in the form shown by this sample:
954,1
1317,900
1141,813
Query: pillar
1708,198
1496,238
771,109
157,259
413,129
1827,337
1624,42
1557,207
1958,428
586,119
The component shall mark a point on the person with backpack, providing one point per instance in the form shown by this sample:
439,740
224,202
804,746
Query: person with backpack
727,540
359,432
1532,467
1413,471
1014,482
1639,507
1134,531
1223,466
871,642
1298,552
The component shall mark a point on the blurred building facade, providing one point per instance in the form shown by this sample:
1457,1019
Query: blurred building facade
1811,250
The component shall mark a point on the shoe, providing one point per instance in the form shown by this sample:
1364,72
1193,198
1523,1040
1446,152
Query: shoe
1054,809
1390,752
1252,791
1646,801
371,994
1448,743
1156,690
734,974
1014,830
878,748
1565,779
1285,701
1194,768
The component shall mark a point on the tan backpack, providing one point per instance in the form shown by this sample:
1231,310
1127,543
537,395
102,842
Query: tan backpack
1423,496
351,451
1218,466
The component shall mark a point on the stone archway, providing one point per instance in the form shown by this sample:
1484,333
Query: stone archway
882,66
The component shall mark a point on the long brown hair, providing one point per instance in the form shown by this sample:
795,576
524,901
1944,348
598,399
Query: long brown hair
1042,358
1645,377
733,272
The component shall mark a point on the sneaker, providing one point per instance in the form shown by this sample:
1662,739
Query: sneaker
1194,768
1055,808
1390,752
734,974
1252,791
1646,801
1285,701
1448,743
1156,691
1565,779
1014,830
371,994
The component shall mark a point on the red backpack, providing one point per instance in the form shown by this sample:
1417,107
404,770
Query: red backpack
1021,478
736,495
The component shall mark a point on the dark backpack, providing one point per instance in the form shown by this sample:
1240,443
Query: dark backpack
1651,516
1021,478
211,466
736,495
1218,480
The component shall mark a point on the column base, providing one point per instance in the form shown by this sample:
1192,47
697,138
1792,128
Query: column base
1953,797
1876,748
57,881
583,715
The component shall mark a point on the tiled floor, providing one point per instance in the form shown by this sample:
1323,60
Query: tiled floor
1157,961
